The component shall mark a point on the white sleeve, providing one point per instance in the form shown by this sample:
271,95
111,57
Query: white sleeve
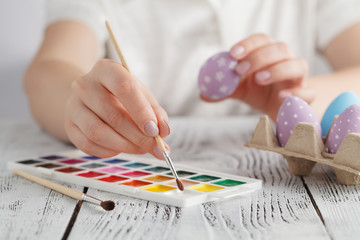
89,12
334,17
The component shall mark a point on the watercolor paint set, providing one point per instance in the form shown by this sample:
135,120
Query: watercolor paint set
139,177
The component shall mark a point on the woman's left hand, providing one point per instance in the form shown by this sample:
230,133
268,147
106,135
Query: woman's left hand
269,73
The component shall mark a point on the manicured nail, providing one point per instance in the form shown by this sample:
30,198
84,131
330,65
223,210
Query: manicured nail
237,51
284,94
158,153
262,76
151,129
167,124
243,67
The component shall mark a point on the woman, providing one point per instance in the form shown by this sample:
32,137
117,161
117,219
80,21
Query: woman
79,96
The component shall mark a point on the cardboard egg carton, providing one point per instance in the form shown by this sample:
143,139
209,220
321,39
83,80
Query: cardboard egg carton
305,148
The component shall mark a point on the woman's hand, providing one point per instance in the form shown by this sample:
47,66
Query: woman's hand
269,73
110,112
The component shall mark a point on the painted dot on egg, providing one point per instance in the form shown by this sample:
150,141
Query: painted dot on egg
232,66
203,88
223,88
221,62
219,77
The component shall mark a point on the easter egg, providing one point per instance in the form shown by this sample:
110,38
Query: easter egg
293,111
347,122
217,77
337,106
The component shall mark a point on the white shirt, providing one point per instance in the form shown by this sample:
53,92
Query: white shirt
166,41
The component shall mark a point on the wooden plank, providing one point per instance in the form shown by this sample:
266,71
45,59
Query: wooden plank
30,211
339,204
281,210
27,210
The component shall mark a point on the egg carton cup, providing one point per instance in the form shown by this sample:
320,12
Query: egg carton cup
305,148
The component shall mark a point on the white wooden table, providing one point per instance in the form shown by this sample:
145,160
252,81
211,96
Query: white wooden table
288,207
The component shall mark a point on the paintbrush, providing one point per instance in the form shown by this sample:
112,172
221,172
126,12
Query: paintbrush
106,205
157,138
169,162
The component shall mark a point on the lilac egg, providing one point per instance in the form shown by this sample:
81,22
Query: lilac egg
217,77
347,122
292,111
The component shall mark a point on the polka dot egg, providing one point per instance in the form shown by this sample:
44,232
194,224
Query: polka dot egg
217,78
292,111
347,122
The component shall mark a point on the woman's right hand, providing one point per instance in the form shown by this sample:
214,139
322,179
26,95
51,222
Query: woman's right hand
110,112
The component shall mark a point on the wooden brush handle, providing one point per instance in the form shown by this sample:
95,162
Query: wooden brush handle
160,143
46,183
116,45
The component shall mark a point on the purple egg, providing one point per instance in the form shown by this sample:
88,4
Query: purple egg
292,111
347,122
217,77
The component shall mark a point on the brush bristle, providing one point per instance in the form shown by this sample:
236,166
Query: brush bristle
180,185
108,205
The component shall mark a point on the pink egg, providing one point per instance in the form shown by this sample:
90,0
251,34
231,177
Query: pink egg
293,111
347,122
217,77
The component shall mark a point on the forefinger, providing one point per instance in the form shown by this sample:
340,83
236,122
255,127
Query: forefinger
241,49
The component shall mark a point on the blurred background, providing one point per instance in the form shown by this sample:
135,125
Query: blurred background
21,27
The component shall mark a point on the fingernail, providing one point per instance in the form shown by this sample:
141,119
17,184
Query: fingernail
243,67
237,51
262,76
167,124
151,129
158,153
284,95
